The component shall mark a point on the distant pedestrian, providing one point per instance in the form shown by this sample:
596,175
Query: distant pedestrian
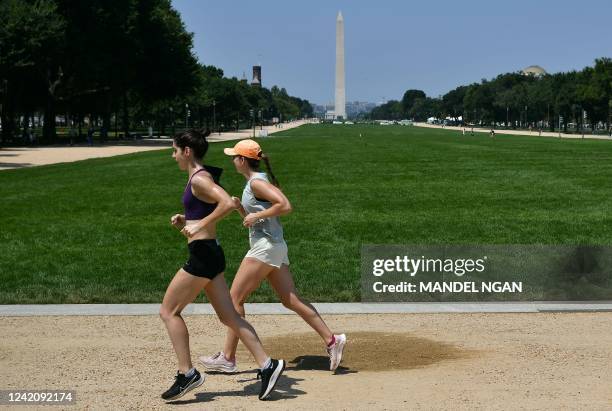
90,133
72,134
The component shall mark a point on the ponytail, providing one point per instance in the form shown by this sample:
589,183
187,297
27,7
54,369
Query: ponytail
254,165
266,160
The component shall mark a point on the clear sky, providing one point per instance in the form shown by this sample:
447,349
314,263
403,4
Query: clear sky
392,46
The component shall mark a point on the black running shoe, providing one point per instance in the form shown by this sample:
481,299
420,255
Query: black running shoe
182,384
269,377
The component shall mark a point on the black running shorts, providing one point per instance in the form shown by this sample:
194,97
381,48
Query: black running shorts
206,259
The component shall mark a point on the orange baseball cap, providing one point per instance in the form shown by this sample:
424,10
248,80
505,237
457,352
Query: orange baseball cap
246,148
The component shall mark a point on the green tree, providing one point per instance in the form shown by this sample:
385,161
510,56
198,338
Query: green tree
452,102
410,97
31,39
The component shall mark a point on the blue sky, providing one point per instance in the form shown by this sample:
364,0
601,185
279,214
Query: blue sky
392,46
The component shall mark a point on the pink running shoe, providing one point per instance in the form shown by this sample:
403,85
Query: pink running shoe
335,351
217,362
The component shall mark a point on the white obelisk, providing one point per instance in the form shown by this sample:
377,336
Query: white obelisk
340,102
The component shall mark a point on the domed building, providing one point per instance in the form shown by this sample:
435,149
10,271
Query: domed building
535,71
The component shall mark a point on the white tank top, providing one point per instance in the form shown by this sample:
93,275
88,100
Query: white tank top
270,227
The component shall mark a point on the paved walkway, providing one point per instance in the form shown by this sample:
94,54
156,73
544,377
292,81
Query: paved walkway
323,308
516,132
19,157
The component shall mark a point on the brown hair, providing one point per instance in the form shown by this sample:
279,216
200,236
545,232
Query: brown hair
254,165
195,139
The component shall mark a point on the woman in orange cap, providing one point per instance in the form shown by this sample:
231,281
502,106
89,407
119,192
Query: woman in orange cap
262,204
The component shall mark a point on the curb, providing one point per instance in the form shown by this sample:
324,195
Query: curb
323,308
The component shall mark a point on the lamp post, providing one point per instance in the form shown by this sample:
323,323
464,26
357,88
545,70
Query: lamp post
507,115
252,112
4,94
610,117
186,115
214,116
172,119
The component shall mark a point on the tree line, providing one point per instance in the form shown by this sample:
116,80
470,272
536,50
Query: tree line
117,64
576,98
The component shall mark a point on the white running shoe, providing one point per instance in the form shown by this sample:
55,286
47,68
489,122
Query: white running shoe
217,362
335,351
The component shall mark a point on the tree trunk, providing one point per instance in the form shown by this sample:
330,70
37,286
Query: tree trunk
80,131
126,116
49,132
8,124
551,123
26,126
106,125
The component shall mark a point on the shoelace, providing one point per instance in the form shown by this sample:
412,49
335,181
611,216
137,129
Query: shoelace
176,378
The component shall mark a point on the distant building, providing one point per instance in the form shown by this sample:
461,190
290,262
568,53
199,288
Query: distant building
256,82
340,100
535,71
318,110
355,108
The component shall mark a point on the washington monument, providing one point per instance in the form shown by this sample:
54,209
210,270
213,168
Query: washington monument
340,102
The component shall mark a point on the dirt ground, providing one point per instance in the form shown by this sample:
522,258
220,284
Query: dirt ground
19,157
411,361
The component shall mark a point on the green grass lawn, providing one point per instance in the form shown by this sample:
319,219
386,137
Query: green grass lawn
97,231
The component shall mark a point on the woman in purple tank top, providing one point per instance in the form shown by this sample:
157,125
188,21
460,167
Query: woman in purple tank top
205,204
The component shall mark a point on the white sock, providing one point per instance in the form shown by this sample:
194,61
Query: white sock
267,364
190,373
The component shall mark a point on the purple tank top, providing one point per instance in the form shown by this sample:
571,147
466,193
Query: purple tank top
196,209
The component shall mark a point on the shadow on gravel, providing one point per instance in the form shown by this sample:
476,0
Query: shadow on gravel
364,351
284,390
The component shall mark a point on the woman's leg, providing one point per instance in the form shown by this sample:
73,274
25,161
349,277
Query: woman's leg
183,289
218,295
247,279
281,280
